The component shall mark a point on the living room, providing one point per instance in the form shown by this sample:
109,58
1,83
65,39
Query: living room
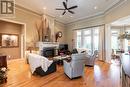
52,34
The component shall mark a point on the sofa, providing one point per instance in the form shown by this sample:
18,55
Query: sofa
75,68
51,69
41,65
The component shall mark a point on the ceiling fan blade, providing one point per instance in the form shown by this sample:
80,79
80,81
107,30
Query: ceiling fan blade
65,5
60,9
71,12
63,12
73,7
66,0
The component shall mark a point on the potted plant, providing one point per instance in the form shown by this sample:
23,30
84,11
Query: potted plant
3,76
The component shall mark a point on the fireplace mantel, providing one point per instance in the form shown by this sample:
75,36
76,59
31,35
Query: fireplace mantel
42,45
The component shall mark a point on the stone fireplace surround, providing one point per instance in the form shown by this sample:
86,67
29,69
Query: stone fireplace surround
47,45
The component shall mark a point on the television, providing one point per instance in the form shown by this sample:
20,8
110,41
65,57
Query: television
63,46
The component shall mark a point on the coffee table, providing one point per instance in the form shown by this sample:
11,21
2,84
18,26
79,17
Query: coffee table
59,59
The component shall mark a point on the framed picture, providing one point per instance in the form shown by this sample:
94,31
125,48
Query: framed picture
9,40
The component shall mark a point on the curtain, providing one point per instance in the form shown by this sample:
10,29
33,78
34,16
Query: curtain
102,43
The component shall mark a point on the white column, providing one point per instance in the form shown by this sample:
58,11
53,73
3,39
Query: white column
108,43
102,43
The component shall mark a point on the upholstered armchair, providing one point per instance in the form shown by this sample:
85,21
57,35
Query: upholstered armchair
75,67
90,59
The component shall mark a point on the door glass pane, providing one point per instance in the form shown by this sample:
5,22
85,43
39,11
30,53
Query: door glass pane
114,42
96,42
87,32
114,39
96,31
87,43
78,33
79,42
127,42
78,39
96,39
88,39
114,32
126,45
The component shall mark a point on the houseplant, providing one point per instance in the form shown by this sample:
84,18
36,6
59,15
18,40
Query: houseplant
3,76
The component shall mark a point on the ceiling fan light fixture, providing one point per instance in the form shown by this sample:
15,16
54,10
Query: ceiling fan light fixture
66,8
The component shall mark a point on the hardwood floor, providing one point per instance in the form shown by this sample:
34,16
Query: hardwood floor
102,75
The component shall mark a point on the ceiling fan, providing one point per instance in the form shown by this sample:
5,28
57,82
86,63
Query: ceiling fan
65,9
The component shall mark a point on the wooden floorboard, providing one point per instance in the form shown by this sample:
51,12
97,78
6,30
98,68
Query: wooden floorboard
101,75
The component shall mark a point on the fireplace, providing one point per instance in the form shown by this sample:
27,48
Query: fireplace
49,46
48,51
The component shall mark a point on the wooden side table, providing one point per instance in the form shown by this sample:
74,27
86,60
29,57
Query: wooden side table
3,61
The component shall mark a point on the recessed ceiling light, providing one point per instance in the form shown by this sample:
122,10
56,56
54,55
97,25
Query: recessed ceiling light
95,7
71,16
61,16
59,5
44,8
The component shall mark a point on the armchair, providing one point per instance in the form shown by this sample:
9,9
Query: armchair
90,59
75,67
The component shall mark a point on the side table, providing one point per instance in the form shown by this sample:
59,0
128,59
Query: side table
3,61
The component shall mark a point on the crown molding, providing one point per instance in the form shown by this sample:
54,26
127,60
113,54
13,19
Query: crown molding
101,13
12,21
87,18
28,10
80,19
88,27
114,6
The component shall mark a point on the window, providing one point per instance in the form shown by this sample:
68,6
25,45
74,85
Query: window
114,39
127,42
88,39
120,44
96,38
78,39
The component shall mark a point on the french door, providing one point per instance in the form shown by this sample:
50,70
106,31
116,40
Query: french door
88,39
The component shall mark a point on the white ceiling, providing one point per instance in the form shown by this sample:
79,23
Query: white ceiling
85,8
122,22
